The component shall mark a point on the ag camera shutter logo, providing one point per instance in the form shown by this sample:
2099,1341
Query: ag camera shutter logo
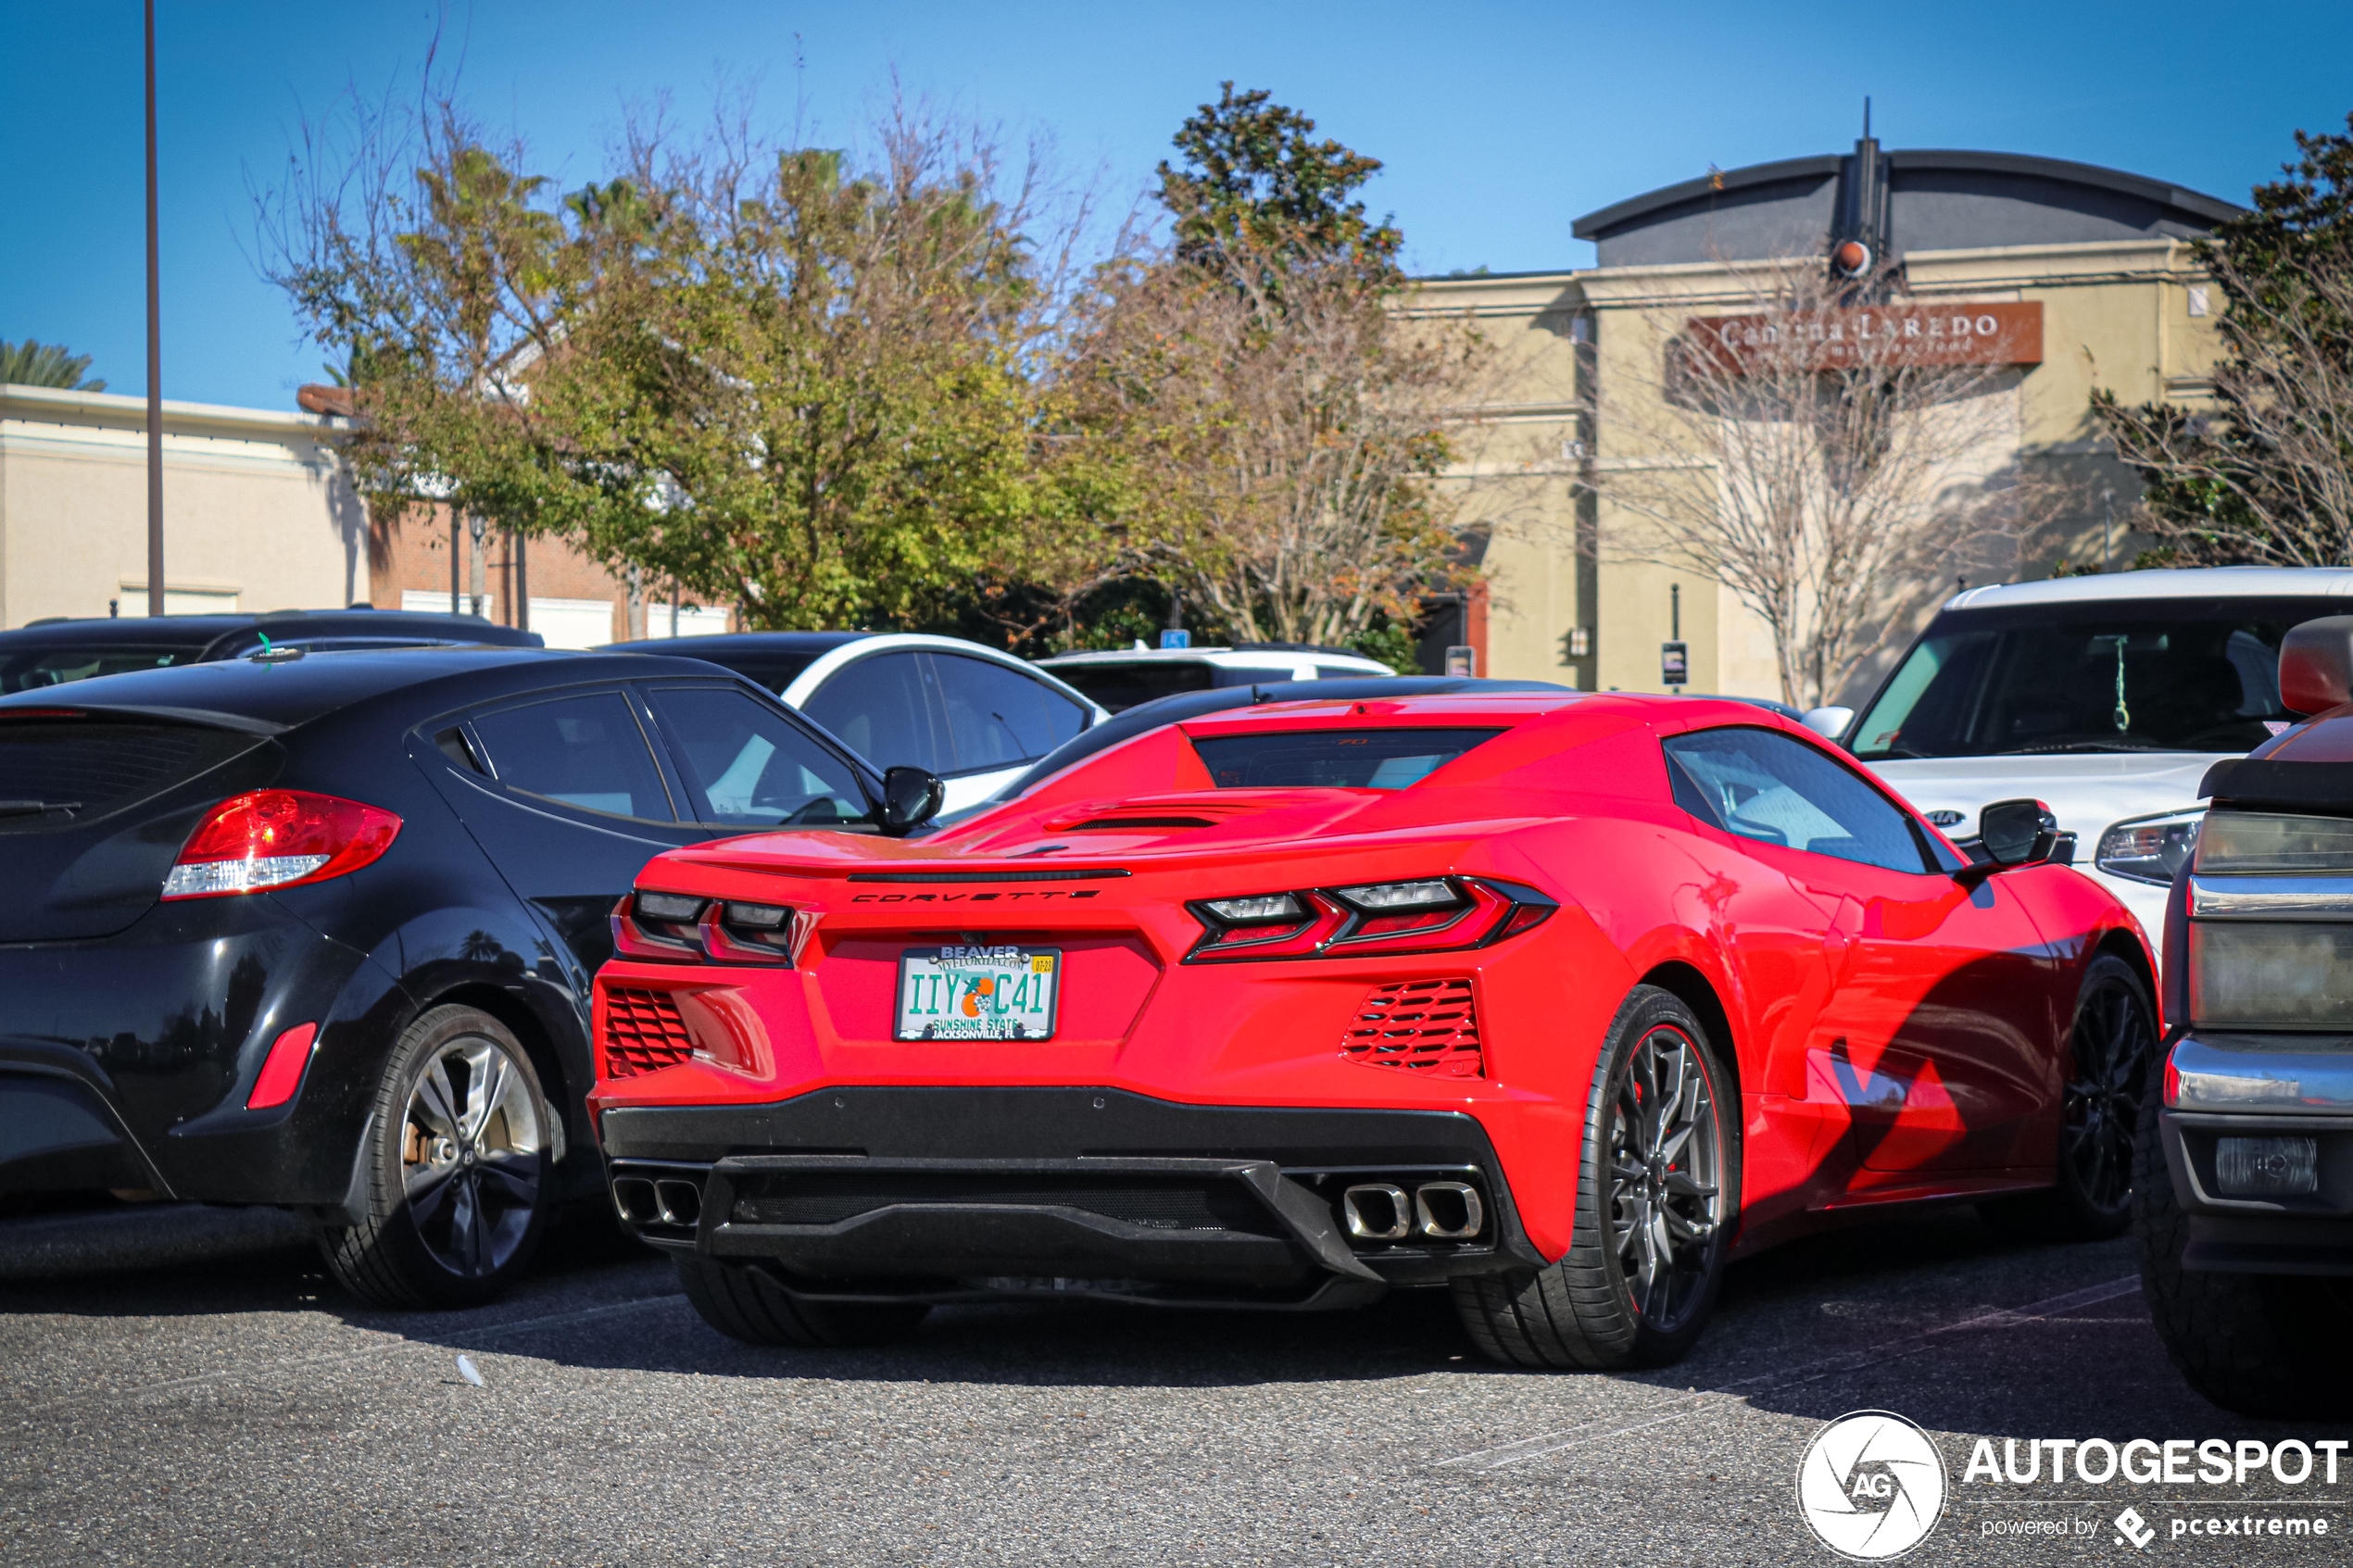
1872,1485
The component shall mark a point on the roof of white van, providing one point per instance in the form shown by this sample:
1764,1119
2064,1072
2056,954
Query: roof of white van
2204,582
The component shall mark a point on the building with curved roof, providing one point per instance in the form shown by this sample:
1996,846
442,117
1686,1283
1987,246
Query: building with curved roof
2087,273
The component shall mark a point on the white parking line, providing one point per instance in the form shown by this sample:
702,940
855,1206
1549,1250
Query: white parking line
1904,1345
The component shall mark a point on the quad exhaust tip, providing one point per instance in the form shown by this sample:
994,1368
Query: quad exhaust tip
668,1201
1440,1211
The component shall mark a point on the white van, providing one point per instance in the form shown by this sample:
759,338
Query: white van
2105,697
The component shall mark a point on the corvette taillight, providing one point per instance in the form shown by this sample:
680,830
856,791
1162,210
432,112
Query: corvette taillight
1427,915
680,927
278,838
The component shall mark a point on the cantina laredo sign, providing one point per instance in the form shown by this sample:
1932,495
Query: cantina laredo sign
1877,334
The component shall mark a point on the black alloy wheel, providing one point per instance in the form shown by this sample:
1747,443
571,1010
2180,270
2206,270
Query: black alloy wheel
1658,1192
460,1169
2110,1052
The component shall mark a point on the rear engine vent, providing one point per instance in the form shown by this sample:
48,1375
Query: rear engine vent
1423,1025
643,1032
1119,824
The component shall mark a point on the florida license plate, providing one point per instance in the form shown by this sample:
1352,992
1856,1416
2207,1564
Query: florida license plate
978,993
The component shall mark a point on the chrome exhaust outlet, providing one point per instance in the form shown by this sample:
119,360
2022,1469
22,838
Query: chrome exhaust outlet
1377,1211
1449,1210
634,1195
680,1203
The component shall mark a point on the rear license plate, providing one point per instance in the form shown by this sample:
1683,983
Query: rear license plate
978,993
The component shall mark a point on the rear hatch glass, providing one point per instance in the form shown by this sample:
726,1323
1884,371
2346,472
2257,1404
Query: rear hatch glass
84,810
1333,758
34,669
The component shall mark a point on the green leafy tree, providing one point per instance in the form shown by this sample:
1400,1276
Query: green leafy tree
32,363
2267,473
1256,182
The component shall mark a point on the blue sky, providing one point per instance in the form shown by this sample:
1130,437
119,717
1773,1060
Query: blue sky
1499,123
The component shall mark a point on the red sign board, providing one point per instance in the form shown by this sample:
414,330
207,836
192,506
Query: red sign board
1852,336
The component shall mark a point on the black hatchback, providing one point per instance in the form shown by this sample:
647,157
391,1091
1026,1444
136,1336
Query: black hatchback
316,930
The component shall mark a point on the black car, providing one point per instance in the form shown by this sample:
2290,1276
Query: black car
2245,1180
316,930
51,653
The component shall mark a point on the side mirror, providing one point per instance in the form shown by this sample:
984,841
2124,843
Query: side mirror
912,797
2017,833
2316,665
1829,722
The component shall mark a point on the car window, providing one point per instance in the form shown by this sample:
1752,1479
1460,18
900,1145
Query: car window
584,751
748,766
880,709
2186,675
1769,788
1118,687
774,670
31,669
999,717
1343,673
1333,758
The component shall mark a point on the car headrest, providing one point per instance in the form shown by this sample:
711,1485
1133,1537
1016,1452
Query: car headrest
2316,665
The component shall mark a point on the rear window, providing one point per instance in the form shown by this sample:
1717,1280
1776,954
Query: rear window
1334,759
63,769
774,670
1117,687
30,669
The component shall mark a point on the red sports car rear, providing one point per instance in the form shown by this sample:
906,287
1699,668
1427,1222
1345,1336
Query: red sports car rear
1551,999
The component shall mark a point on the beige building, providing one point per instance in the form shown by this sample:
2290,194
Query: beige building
258,513
1575,594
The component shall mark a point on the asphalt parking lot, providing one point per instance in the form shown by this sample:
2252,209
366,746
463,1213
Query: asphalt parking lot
183,1385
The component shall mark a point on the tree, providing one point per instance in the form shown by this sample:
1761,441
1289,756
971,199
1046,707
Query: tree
1813,470
758,372
1274,417
2266,475
32,363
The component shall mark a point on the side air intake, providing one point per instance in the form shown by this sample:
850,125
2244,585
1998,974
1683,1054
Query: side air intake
1421,1025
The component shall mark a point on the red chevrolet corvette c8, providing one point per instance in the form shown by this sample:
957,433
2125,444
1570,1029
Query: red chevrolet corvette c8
1556,1000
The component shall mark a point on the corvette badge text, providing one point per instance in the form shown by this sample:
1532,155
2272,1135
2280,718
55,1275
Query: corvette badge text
1872,1486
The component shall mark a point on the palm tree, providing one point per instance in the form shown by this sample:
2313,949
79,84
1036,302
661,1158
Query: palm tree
46,364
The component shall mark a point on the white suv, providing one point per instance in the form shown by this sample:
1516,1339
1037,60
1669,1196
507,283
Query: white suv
2105,697
1123,679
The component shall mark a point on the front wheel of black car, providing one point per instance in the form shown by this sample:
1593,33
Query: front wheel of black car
459,1178
2109,1051
2262,1344
1657,1191
745,1304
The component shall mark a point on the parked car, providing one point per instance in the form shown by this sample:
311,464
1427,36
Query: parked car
972,716
50,653
2108,698
1556,999
316,930
2246,1161
1121,679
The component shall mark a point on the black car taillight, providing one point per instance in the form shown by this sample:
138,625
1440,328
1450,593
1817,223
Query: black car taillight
1424,915
269,838
733,933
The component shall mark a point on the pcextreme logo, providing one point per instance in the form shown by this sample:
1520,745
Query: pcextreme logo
1872,1485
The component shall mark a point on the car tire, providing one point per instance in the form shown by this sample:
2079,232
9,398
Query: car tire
2110,1048
2262,1344
460,1171
745,1304
1658,1189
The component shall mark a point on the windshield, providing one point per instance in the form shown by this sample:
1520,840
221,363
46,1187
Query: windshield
1118,687
2187,675
26,669
1334,759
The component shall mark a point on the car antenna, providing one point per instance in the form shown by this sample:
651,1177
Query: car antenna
1260,693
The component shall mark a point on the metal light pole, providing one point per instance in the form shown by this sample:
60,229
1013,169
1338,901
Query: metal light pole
154,350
